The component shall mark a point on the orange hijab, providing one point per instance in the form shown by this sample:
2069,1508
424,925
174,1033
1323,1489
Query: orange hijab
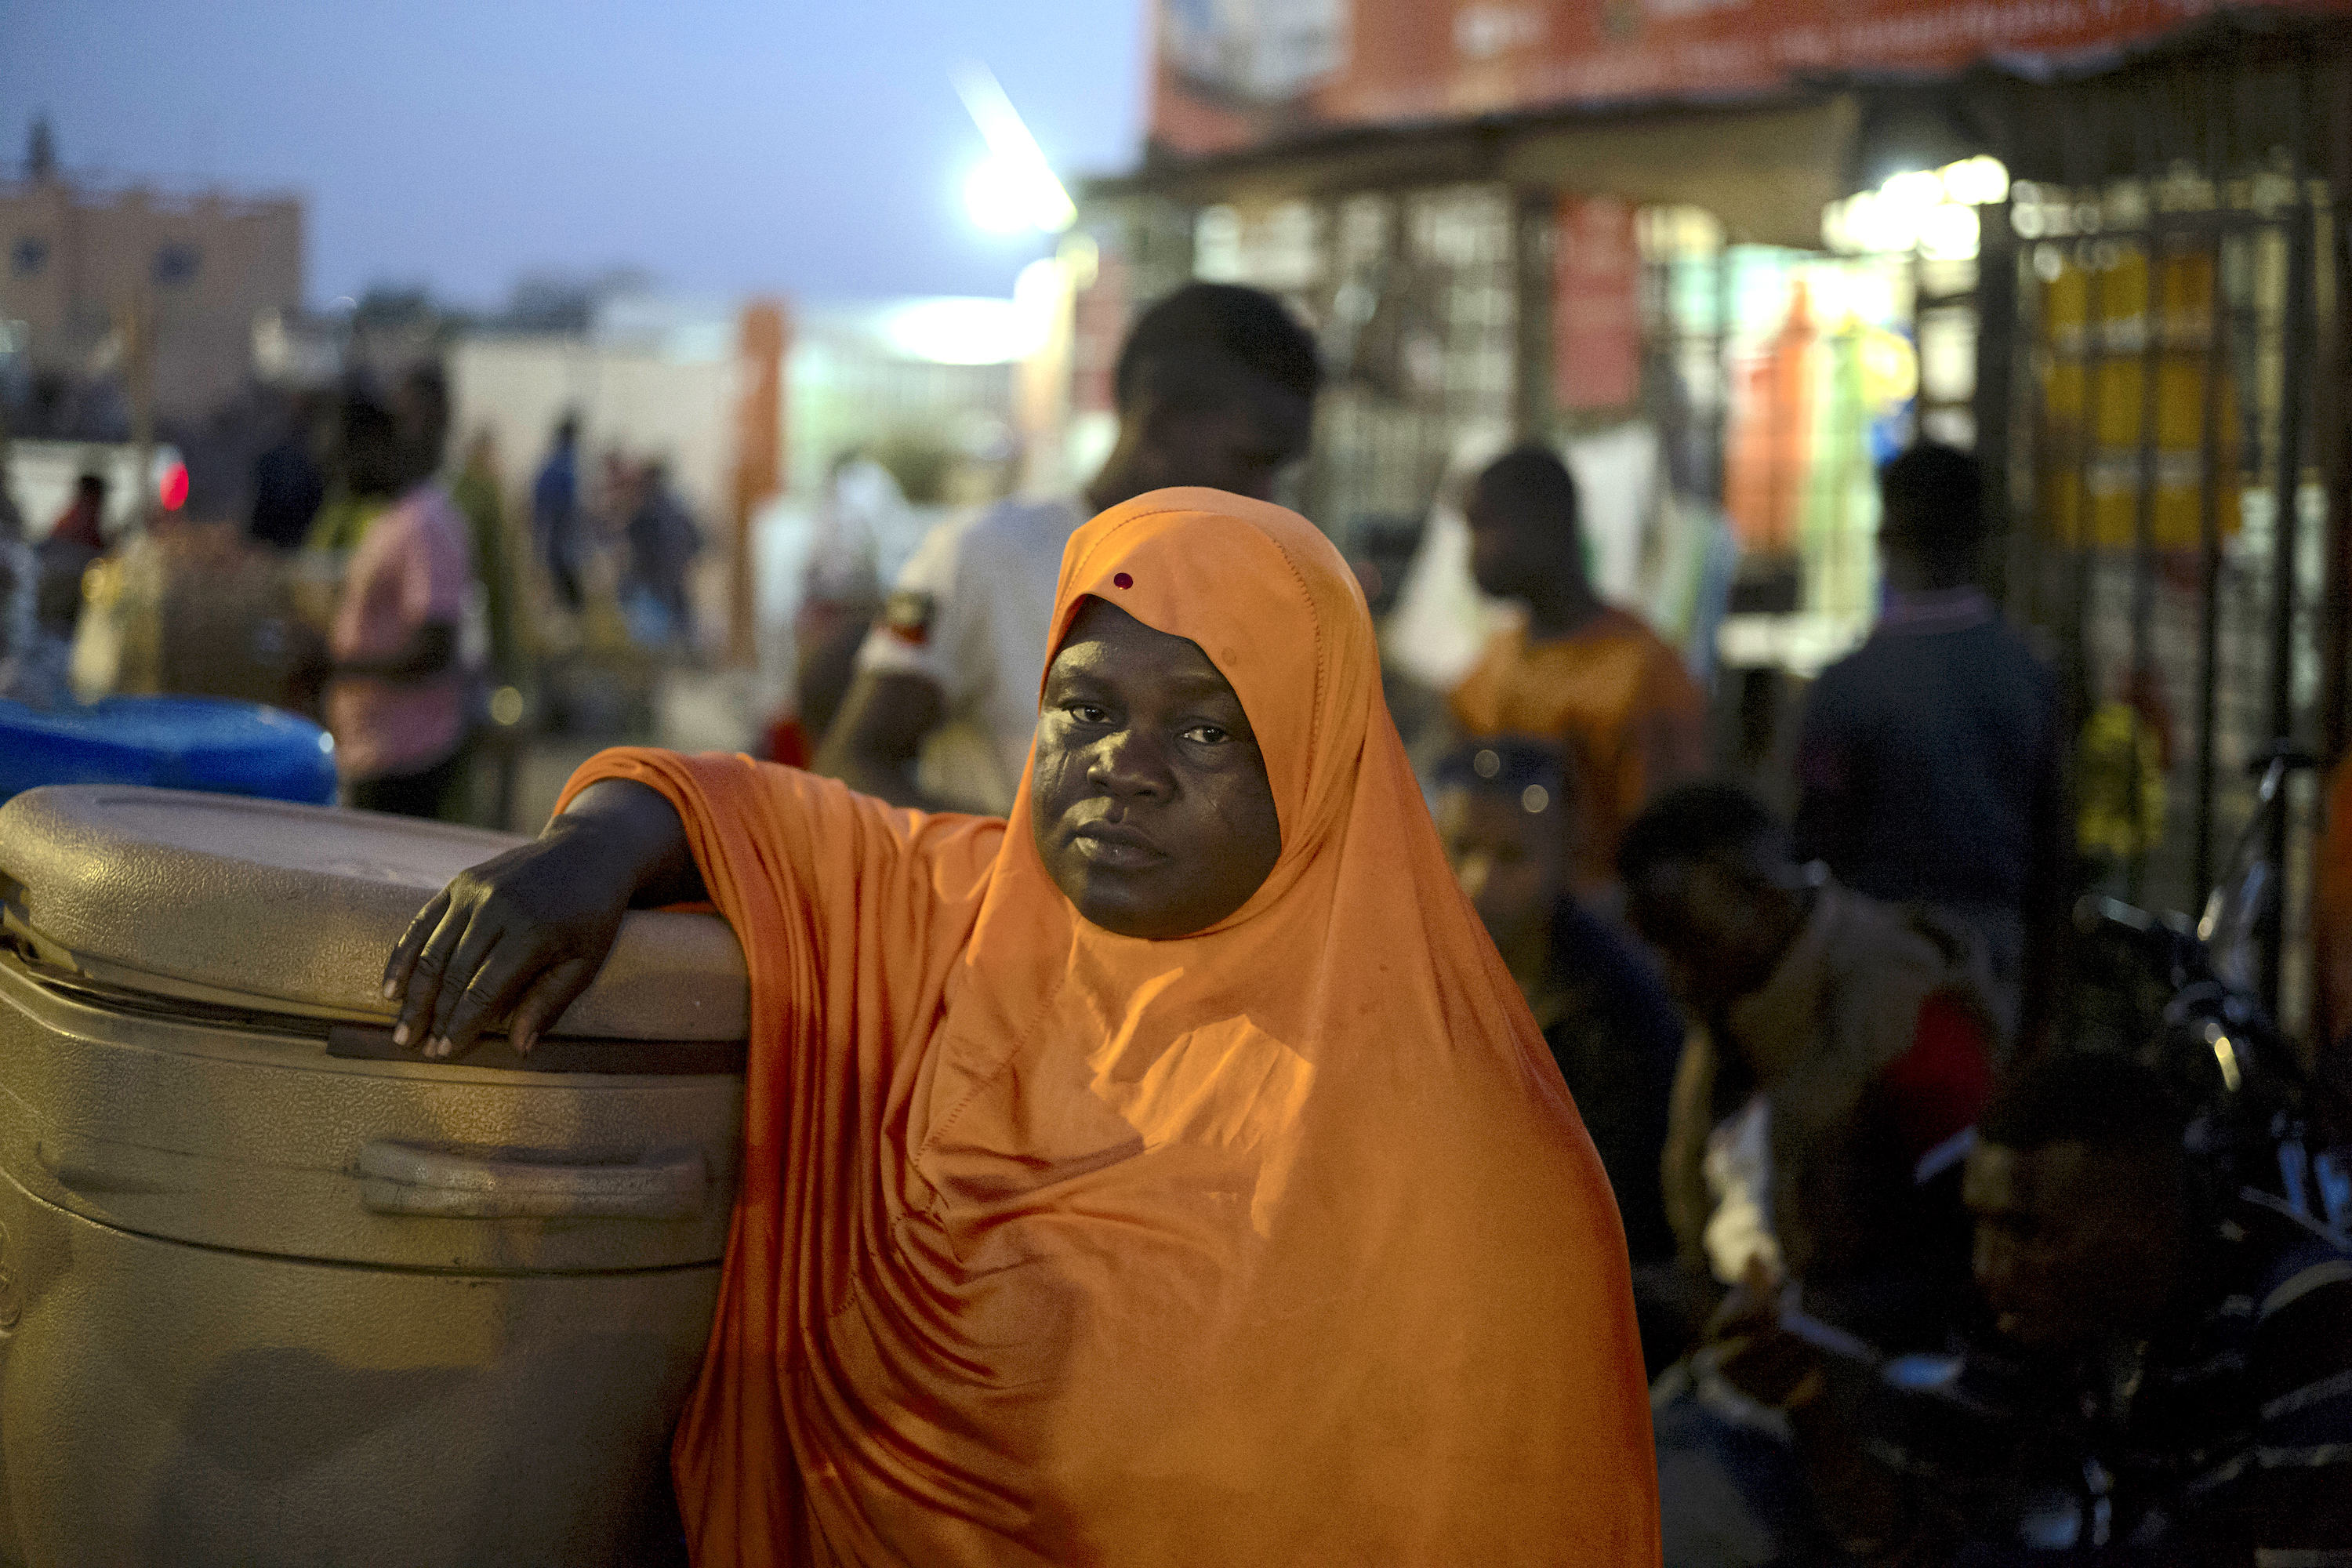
1276,1244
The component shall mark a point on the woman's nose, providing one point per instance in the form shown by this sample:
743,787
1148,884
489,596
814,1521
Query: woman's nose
1128,765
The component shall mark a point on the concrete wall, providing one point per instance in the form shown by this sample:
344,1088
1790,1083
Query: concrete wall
644,403
844,391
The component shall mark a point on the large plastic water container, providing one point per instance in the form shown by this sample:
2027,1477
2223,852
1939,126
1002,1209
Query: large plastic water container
272,1291
170,742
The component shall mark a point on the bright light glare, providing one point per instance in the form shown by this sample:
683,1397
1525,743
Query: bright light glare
1932,210
1005,198
1976,182
1948,233
1014,188
957,331
1915,190
1870,222
1040,296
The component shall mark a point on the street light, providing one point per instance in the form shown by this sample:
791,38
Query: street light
1005,198
1013,189
1931,210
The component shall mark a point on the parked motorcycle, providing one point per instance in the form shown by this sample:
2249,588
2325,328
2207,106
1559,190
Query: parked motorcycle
2185,1000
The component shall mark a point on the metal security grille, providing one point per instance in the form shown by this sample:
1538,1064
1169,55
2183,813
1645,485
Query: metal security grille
2142,339
2160,385
1414,297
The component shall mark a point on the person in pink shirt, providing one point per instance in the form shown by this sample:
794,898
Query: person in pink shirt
397,701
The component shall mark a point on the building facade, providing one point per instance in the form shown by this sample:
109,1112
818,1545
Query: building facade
80,263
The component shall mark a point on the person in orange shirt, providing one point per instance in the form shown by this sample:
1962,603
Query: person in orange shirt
1581,671
1172,1173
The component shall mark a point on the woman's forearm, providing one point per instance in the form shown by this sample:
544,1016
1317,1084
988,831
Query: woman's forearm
639,828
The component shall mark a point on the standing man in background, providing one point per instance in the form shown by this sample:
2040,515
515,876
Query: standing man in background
397,701
477,492
555,513
32,663
1216,387
1578,670
1929,762
289,485
75,540
662,544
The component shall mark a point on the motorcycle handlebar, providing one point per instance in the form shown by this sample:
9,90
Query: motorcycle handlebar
2284,755
2094,912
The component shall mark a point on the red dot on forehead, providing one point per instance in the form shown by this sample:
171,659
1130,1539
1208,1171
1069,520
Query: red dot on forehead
1122,581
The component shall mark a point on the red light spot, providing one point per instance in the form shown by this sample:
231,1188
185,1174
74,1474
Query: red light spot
174,492
1122,581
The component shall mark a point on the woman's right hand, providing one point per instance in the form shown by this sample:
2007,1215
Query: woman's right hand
524,934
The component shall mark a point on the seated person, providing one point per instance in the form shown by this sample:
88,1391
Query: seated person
2197,1345
1505,812
1167,1175
1837,1063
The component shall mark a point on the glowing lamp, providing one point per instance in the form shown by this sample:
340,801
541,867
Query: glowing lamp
963,330
1003,198
1013,189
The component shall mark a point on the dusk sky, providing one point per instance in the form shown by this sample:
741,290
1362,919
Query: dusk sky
814,148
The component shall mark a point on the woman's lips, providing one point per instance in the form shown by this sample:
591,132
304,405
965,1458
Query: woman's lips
1115,845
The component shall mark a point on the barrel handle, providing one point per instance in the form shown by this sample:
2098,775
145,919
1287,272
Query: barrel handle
453,1182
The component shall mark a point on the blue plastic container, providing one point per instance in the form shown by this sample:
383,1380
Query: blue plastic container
171,743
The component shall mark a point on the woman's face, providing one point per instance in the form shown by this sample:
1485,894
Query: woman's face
1149,795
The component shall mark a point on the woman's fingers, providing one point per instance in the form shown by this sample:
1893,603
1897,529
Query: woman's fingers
549,996
398,968
429,972
496,936
509,973
470,970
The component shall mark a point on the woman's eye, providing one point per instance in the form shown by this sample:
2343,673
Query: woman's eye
1086,713
1206,735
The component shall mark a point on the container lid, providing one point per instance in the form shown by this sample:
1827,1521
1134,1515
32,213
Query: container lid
178,743
279,907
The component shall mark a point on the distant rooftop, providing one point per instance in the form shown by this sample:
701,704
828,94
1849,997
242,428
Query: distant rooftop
94,186
105,187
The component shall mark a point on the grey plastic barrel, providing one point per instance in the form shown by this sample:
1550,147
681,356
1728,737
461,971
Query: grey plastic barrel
272,1292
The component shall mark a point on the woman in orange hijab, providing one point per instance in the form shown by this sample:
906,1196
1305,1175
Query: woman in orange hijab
1169,1174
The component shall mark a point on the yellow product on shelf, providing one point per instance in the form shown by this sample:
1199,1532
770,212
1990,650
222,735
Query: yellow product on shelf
2119,775
2098,414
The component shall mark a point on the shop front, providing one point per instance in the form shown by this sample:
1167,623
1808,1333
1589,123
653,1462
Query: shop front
1729,256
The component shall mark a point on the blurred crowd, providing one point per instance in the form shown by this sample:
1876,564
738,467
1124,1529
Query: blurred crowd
1924,1271
378,581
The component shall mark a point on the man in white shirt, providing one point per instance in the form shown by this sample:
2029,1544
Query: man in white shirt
1216,387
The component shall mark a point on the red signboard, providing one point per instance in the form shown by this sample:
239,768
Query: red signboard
1596,314
1235,73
